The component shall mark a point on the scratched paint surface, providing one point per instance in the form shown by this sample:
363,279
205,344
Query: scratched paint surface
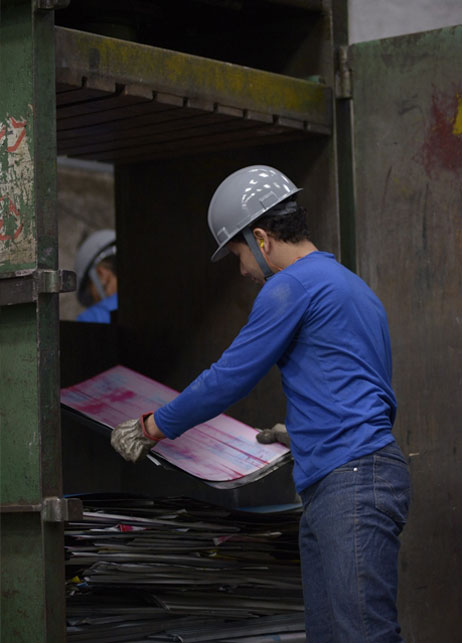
408,156
222,449
17,239
442,148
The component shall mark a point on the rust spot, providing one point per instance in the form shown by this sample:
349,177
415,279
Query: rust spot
442,147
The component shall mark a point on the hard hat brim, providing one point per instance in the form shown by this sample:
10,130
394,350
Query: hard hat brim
220,252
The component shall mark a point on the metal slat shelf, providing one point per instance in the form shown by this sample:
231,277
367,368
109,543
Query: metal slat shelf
119,101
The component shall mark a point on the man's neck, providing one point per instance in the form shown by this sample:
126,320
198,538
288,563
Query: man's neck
285,254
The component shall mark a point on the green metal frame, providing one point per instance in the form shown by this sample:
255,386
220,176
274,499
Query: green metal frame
32,538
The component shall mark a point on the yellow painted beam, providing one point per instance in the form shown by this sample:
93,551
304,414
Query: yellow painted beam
81,54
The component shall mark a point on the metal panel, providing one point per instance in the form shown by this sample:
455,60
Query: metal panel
32,547
408,129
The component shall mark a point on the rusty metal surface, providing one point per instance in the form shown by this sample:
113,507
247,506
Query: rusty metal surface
25,286
120,101
17,231
80,54
408,132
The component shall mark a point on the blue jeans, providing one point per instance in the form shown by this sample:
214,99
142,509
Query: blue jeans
349,545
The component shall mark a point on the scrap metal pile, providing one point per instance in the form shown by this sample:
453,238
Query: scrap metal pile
181,570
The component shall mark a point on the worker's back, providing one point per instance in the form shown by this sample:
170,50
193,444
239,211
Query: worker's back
336,372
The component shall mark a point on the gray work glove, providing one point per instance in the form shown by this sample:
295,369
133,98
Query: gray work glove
277,434
131,439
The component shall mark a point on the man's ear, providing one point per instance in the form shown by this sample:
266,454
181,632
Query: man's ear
262,238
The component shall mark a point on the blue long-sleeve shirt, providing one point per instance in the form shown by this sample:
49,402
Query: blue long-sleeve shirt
328,333
100,313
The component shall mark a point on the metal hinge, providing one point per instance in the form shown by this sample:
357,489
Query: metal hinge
25,286
343,76
52,509
61,509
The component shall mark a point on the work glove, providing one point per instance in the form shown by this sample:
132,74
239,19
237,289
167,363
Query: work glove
131,439
277,434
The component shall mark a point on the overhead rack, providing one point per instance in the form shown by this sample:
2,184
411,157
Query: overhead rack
122,102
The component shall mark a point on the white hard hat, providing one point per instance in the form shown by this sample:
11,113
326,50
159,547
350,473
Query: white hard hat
95,248
242,198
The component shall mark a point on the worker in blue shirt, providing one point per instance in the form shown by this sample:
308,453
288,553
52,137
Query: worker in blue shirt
328,334
96,271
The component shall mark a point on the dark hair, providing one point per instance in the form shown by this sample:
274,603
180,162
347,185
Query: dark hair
290,228
110,263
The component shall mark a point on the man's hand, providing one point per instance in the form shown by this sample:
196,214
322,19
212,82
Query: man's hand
277,434
134,439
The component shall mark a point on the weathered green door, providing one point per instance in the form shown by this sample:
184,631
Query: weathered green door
32,564
407,98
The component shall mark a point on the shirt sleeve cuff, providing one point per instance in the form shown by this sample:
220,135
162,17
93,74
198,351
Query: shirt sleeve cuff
168,434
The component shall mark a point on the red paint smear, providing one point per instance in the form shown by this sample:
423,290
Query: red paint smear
120,395
13,148
93,408
442,148
19,226
16,123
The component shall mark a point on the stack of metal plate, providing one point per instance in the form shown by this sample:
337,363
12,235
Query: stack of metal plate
181,570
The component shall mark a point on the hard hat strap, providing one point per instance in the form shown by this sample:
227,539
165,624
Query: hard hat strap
96,281
253,245
107,251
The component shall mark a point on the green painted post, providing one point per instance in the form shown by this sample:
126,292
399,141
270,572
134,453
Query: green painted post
32,566
344,137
